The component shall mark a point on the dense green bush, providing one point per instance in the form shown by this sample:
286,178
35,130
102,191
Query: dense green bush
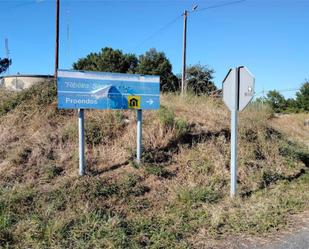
281,105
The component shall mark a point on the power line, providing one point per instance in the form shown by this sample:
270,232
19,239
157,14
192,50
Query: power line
158,31
178,17
219,5
288,90
20,5
280,90
24,4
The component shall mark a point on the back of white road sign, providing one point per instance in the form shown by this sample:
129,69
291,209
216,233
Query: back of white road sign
238,88
230,90
246,87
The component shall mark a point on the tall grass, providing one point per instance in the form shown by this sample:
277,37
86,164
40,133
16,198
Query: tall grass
178,197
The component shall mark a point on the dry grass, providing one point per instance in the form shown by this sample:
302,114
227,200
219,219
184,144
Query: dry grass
294,126
177,198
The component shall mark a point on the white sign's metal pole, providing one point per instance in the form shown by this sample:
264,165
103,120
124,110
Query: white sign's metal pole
81,142
238,91
233,152
234,113
139,136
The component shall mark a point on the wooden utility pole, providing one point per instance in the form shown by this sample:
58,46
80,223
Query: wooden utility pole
57,39
183,79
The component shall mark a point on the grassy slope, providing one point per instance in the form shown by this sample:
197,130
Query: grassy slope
293,126
178,197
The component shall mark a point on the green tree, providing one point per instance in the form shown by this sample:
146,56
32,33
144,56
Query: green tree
4,64
199,79
276,100
108,60
302,97
291,105
156,63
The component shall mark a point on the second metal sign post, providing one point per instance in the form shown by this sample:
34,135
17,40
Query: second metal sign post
238,89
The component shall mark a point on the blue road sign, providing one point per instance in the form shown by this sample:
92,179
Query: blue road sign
96,90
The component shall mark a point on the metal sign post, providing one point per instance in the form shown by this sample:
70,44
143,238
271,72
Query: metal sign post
233,167
81,139
238,87
139,136
234,126
114,91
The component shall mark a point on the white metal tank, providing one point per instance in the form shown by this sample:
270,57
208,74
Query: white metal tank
19,82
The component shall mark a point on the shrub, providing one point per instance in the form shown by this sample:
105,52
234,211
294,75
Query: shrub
41,94
69,132
166,117
156,170
181,126
51,171
191,195
100,129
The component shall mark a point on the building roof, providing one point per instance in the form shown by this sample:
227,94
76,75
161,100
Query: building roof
28,75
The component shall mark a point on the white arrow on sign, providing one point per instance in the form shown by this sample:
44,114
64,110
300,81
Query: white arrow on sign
150,101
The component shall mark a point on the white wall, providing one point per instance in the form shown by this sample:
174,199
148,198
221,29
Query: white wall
18,83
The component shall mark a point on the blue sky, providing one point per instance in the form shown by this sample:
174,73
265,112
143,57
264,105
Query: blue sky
270,37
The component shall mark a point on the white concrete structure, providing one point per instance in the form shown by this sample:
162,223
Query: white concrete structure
20,82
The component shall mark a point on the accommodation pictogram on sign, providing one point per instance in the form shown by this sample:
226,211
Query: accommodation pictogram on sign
134,102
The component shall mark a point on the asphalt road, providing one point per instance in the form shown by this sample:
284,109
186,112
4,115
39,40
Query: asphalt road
297,240
294,237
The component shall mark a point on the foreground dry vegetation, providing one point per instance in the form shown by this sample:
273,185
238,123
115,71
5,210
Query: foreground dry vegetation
177,198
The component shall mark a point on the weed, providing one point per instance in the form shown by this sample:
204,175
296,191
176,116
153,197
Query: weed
166,117
132,185
119,116
69,133
158,156
51,171
22,156
139,204
157,170
268,178
181,126
94,133
40,94
134,164
294,152
102,128
191,195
